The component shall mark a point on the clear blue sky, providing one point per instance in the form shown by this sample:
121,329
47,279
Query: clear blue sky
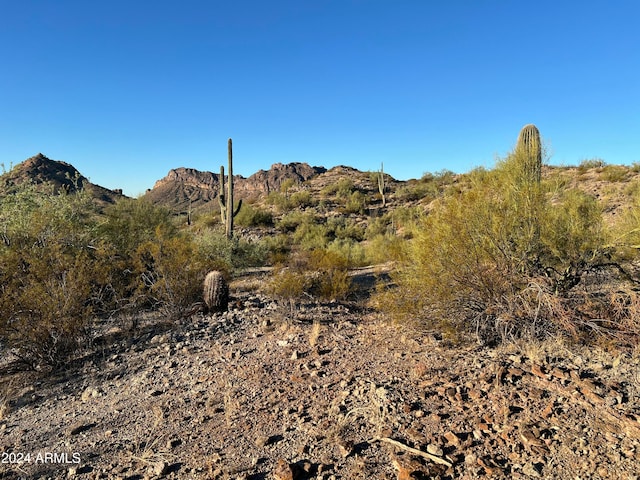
126,90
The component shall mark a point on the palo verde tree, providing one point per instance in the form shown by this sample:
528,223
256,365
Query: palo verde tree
501,256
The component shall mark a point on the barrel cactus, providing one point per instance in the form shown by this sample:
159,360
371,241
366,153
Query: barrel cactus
216,292
529,148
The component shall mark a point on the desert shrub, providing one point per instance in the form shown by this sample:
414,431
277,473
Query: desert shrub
625,233
589,164
405,220
321,273
384,248
417,190
356,202
250,216
350,250
614,173
285,201
330,275
498,259
50,270
379,226
345,228
291,221
131,222
287,285
225,254
310,236
170,273
343,188
301,199
277,247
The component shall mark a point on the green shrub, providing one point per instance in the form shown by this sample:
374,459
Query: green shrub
344,228
384,248
356,202
291,221
498,259
131,222
51,269
225,254
330,276
287,285
614,173
301,199
286,201
343,188
310,236
170,273
250,216
278,248
589,164
321,273
351,251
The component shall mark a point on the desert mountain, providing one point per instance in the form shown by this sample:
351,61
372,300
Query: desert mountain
61,176
186,186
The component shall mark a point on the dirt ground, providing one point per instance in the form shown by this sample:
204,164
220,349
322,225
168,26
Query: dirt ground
327,392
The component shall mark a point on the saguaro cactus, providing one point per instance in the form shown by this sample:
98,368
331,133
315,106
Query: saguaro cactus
216,292
226,201
381,185
528,154
530,148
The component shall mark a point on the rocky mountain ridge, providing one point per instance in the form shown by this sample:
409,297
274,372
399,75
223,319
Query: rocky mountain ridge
61,176
184,187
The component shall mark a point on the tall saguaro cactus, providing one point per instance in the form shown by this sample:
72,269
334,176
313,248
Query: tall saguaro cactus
530,149
226,201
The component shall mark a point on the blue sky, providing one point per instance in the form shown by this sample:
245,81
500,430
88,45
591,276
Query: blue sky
126,90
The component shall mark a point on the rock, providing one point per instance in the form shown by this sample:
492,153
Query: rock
452,438
538,371
531,470
159,468
262,441
434,449
89,393
282,470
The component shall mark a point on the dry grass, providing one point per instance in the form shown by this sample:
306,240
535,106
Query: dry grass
314,334
7,392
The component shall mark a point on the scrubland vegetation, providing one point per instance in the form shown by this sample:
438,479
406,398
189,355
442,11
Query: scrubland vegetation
494,255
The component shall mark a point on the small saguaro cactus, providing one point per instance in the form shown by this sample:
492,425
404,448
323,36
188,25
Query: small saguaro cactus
530,147
381,185
216,292
226,202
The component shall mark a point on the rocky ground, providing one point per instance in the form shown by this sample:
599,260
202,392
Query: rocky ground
329,392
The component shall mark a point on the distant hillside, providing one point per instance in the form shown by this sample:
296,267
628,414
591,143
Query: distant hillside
62,176
184,187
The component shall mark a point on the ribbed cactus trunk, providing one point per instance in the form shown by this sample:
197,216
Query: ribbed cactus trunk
216,292
229,227
529,154
530,148
226,200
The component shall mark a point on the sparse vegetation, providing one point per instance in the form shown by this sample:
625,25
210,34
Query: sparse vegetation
540,262
503,258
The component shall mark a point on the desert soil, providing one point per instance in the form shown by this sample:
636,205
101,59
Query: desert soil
328,392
